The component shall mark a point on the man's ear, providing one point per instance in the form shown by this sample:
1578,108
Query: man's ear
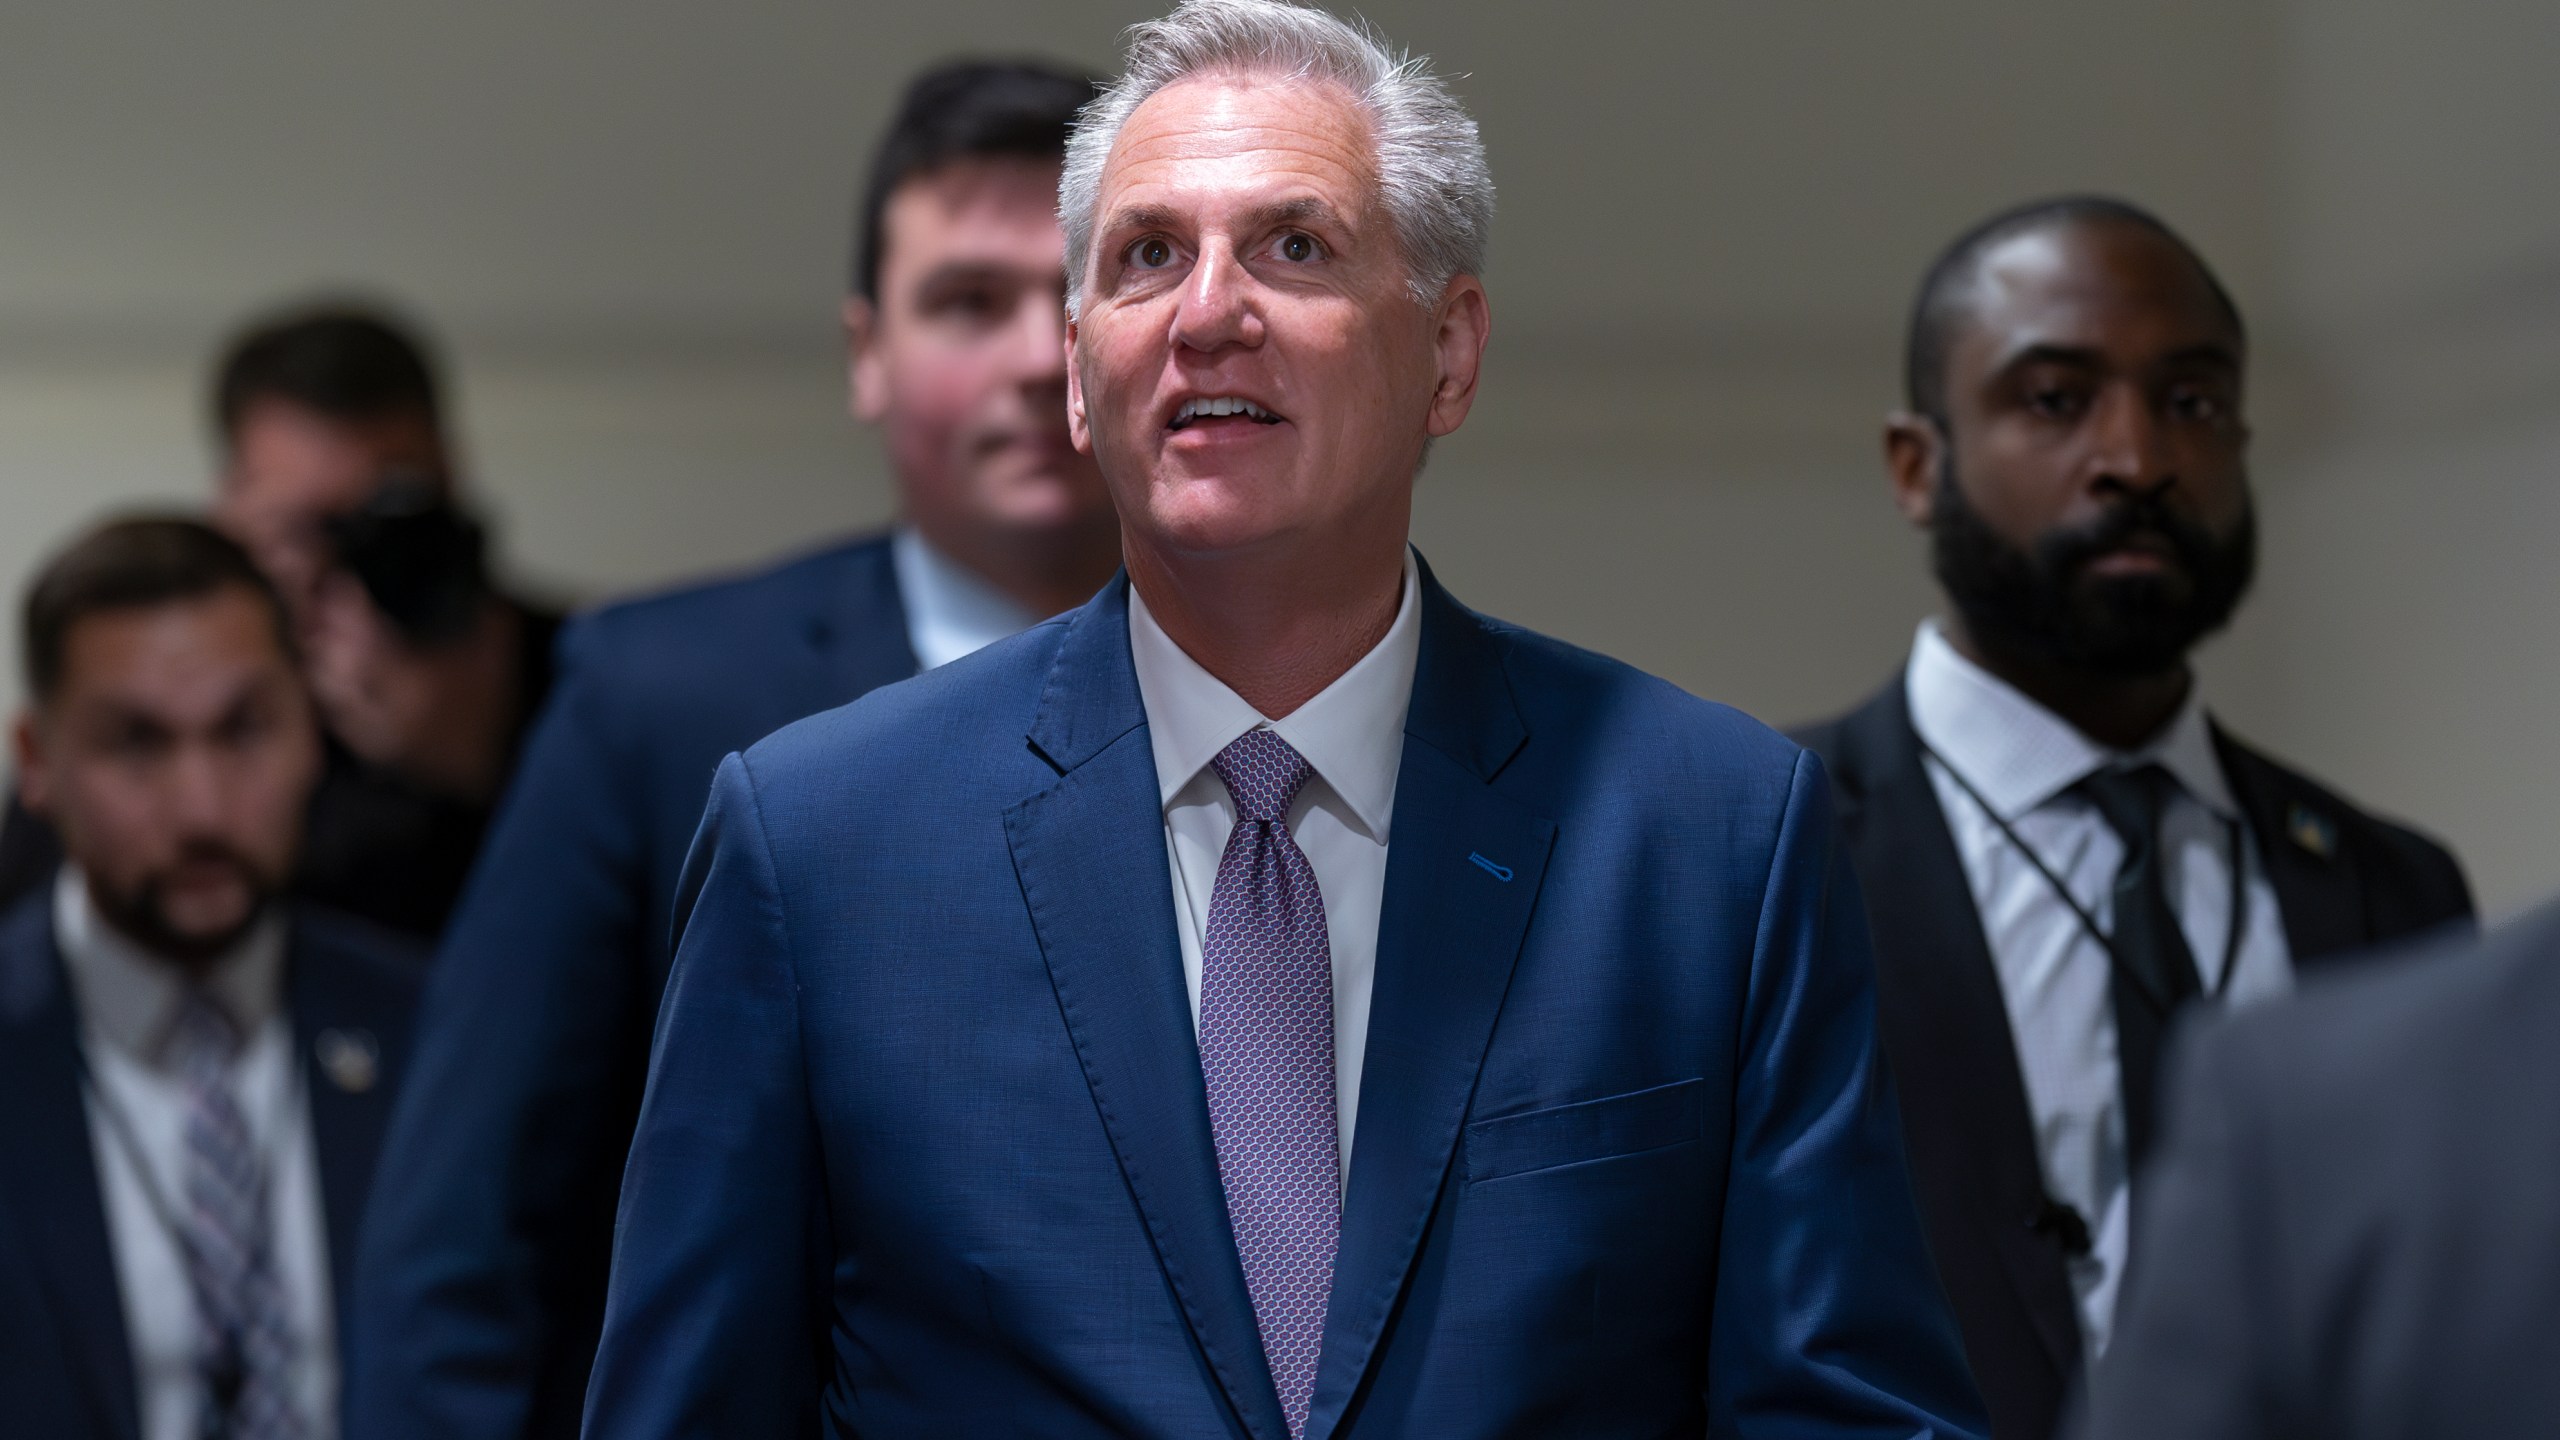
866,373
1462,327
34,788
1078,431
1915,450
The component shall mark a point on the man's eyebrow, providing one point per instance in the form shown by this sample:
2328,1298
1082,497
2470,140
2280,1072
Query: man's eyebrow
1141,217
972,272
1305,209
2076,357
2214,354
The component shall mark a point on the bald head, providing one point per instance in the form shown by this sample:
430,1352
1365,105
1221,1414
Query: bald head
1969,272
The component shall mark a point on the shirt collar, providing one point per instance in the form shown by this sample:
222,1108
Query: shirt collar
131,997
1351,733
951,610
2020,755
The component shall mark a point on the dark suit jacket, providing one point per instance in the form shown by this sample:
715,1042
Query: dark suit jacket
2343,881
482,1284
66,1365
926,1149
2353,1231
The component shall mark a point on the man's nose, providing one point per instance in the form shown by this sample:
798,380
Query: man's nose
1039,341
1218,304
200,788
2130,445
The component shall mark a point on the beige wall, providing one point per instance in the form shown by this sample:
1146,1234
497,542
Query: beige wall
2407,641
630,219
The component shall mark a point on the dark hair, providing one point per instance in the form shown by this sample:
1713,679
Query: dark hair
348,362
136,563
1940,304
964,110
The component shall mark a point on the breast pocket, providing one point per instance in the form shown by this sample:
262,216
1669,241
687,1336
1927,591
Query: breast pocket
1587,1130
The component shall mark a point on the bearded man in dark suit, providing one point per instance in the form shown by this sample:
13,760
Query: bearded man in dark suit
2061,849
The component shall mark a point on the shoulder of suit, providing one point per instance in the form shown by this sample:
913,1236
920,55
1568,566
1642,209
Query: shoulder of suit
2359,1042
1850,743
28,919
28,974
1562,687
951,712
725,609
357,949
2312,804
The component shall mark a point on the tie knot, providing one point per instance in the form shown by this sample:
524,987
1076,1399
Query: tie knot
2129,800
206,1035
1263,773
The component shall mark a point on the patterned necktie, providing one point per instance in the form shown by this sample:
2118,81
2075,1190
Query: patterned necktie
245,1345
2154,971
1266,1053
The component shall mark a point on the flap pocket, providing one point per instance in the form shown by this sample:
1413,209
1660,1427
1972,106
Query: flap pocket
1626,1124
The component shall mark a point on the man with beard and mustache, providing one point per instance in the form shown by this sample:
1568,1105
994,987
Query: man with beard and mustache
2060,850
194,1074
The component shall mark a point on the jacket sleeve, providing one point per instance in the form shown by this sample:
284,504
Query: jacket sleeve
2191,1355
716,1321
481,1274
1829,1320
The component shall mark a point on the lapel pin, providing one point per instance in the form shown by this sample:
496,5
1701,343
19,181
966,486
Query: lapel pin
350,1058
2312,831
1498,872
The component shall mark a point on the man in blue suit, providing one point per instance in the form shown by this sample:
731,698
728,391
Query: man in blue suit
195,1073
1271,1000
482,1286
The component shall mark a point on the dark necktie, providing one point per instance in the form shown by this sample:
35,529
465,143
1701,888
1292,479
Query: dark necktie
1266,1056
2154,971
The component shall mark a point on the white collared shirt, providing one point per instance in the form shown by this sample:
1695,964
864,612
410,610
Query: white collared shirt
1352,735
2024,759
128,1003
951,611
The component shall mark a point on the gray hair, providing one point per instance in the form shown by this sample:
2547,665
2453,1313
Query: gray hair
1432,177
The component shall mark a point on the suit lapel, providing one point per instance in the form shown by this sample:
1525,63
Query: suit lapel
1089,852
1464,866
857,627
1945,1020
2300,843
48,1173
340,1031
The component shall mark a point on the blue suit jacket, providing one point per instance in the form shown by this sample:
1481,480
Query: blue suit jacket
481,1286
925,1149
66,1363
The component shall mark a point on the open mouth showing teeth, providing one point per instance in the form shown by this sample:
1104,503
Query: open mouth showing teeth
1219,408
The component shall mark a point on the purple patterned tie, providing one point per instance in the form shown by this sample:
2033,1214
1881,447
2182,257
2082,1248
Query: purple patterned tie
245,1343
1266,1052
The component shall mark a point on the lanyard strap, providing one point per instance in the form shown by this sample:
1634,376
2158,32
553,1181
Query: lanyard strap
2236,849
129,1141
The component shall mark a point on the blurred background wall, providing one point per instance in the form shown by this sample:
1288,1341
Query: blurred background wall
628,221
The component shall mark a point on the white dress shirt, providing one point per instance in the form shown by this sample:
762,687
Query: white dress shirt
1352,735
128,1003
951,611
2054,976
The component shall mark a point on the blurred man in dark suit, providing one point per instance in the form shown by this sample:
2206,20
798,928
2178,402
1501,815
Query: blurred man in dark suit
2353,1228
483,1284
337,474
2061,851
194,1073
